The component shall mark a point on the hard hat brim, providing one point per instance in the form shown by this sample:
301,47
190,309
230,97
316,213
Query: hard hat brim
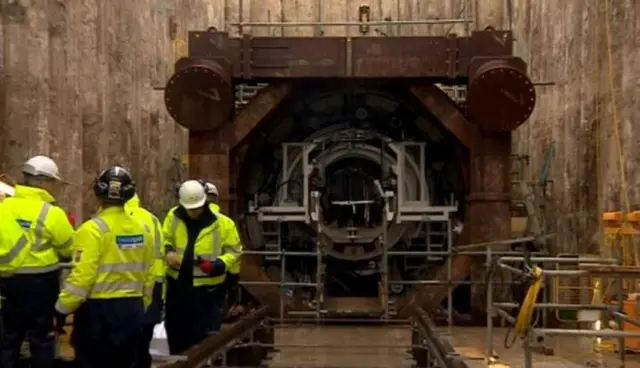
191,206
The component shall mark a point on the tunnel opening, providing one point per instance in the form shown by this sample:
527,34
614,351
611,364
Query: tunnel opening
340,168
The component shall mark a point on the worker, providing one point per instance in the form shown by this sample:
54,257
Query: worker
14,243
200,247
211,191
233,273
50,235
111,282
153,315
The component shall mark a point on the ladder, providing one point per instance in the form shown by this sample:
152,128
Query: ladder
436,240
272,240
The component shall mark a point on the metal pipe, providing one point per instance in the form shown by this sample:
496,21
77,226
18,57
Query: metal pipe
561,259
626,318
445,253
349,23
297,284
490,305
500,242
283,252
558,306
333,346
511,268
295,322
594,333
283,267
505,315
441,282
622,348
449,285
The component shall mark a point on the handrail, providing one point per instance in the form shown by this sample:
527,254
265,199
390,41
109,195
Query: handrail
203,351
440,350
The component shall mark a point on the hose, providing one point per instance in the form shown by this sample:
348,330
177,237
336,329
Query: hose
524,320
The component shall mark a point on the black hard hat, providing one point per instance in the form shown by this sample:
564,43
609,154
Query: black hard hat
114,185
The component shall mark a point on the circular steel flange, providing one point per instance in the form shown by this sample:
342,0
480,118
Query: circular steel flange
199,96
500,96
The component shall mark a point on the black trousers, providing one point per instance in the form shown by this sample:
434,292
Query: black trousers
143,357
106,332
191,314
27,312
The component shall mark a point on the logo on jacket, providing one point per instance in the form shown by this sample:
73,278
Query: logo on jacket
78,255
25,224
125,242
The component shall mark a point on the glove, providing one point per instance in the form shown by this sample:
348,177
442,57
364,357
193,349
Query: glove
59,321
211,268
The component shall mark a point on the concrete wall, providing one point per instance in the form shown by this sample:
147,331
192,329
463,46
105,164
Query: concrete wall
343,10
77,79
567,42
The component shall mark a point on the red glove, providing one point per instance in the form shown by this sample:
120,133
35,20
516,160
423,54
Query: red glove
205,266
72,219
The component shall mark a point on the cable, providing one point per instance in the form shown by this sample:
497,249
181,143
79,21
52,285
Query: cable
616,125
527,307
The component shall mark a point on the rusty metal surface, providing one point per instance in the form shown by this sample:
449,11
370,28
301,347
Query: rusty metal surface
201,353
388,57
199,95
455,60
500,96
488,215
445,110
340,57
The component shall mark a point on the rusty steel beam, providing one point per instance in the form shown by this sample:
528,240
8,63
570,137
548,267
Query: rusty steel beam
211,156
488,215
438,103
446,57
436,345
200,353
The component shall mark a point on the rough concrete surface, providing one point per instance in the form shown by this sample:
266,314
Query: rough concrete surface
568,43
77,85
342,346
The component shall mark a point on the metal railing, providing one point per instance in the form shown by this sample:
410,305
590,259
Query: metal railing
477,249
500,309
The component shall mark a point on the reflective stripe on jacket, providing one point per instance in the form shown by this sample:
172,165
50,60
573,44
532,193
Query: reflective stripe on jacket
217,241
235,267
114,259
46,225
149,219
14,243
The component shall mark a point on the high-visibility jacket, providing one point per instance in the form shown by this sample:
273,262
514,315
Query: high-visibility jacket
234,269
113,259
14,243
215,207
133,208
219,240
46,225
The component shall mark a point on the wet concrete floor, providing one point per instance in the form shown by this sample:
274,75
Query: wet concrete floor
342,346
569,351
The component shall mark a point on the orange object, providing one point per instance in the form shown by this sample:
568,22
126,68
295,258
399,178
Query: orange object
632,310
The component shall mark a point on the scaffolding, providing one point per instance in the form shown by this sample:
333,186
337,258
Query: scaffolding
585,266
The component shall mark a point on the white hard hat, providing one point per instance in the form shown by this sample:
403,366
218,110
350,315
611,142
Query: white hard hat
191,195
210,188
41,166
